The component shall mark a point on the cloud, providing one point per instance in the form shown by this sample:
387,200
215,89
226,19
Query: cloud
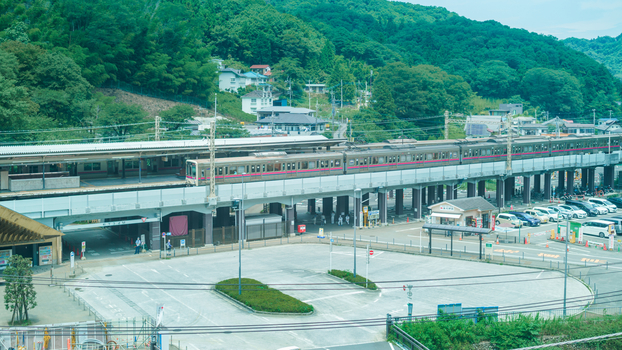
601,5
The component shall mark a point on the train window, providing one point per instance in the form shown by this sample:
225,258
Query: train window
428,156
219,171
442,155
298,165
312,165
252,169
354,162
332,163
365,161
436,156
380,160
263,168
408,158
270,167
304,165
289,166
277,166
337,163
202,174
226,170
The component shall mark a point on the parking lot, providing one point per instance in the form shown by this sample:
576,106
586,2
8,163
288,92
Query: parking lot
302,266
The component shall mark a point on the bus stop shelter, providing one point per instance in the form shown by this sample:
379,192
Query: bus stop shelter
450,229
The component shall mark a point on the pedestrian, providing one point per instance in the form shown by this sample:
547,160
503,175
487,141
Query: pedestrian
332,218
340,221
138,243
168,247
348,219
323,222
314,219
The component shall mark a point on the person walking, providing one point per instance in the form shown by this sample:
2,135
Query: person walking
138,243
168,248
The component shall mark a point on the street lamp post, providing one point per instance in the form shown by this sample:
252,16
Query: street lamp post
240,222
566,263
356,192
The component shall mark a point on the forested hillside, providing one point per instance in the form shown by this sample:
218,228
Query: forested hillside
606,50
420,61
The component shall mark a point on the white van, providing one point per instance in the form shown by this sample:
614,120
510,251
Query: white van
607,204
598,228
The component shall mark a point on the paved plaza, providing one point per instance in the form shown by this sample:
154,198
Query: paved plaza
303,265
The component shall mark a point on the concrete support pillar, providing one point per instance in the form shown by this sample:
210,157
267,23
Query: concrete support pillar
499,190
547,186
222,217
155,235
526,189
311,205
358,211
584,177
327,207
424,196
290,221
591,179
481,188
609,172
365,200
509,189
537,187
208,227
561,178
345,206
417,202
470,189
455,192
431,195
450,192
382,206
439,193
122,168
570,181
399,201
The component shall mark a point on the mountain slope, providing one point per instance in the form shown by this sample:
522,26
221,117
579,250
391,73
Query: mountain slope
606,50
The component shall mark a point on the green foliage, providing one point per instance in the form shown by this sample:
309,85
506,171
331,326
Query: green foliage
554,91
19,292
349,276
231,106
604,49
118,115
228,129
260,297
176,116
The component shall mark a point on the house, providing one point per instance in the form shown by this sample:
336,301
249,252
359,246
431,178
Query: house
507,108
472,212
278,110
218,62
231,80
293,123
315,88
258,99
483,125
578,128
262,69
608,126
253,78
533,129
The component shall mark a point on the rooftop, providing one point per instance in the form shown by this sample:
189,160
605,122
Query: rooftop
470,204
254,75
260,66
291,118
285,109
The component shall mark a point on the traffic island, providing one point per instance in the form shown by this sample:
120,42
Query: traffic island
258,297
358,280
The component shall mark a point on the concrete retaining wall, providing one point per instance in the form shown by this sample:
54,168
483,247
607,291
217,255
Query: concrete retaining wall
50,184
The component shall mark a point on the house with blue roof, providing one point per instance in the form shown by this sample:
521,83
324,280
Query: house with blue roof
230,79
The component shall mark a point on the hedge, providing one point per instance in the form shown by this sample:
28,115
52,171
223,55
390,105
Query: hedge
260,297
358,280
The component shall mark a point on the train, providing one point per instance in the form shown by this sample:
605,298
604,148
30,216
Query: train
385,157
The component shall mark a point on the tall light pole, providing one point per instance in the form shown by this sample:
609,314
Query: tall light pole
241,223
566,263
356,192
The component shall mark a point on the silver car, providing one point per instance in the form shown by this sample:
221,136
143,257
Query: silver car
576,212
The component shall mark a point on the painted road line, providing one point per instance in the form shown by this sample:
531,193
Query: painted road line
548,255
333,296
410,229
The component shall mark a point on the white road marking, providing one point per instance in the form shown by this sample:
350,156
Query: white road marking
539,274
155,271
332,296
391,345
409,229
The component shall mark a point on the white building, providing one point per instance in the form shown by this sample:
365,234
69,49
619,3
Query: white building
258,99
231,80
277,110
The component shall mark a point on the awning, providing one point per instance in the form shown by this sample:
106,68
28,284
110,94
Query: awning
446,215
453,228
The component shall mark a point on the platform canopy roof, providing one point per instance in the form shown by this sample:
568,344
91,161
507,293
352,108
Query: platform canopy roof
16,228
454,228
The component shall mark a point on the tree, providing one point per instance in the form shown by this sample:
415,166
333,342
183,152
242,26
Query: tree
228,129
383,99
19,292
176,116
495,79
123,120
552,90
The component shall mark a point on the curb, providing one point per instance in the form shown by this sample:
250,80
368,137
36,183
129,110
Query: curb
354,284
248,308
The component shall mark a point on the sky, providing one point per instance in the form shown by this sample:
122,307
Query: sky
560,18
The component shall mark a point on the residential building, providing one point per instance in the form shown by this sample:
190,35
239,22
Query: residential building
253,78
608,126
262,69
315,88
483,125
231,80
293,123
578,128
505,108
533,129
278,110
258,99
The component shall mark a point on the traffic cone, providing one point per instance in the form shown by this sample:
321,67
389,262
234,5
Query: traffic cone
586,245
497,239
511,207
604,247
461,236
407,219
547,245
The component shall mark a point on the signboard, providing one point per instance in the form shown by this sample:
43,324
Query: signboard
365,210
374,214
71,259
493,223
302,228
447,207
182,243
321,233
371,252
4,258
575,228
479,222
45,255
83,246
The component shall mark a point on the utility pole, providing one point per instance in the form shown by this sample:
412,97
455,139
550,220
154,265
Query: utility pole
290,90
272,123
557,123
212,155
341,93
157,128
594,116
610,114
350,123
508,165
566,263
446,125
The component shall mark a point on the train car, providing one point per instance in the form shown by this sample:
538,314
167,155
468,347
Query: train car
264,166
398,158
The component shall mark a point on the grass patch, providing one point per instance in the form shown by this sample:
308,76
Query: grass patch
450,332
260,297
349,276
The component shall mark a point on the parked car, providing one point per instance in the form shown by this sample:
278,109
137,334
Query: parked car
589,208
617,224
617,201
602,210
526,218
577,213
561,212
597,228
504,218
553,215
540,215
607,204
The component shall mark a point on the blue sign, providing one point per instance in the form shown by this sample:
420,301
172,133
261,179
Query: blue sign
332,240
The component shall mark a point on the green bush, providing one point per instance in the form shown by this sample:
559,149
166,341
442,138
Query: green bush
349,276
260,297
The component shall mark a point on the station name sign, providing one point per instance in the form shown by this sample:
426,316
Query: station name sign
446,207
